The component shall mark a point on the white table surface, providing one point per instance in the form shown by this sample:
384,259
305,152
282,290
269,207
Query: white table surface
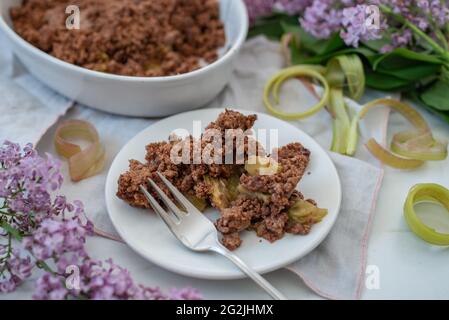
408,267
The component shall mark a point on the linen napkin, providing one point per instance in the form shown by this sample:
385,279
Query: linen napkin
27,107
336,268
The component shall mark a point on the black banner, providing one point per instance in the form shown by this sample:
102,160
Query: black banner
284,310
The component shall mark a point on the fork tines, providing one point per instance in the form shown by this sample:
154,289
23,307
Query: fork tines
169,219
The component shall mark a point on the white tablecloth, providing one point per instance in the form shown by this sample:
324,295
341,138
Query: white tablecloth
406,267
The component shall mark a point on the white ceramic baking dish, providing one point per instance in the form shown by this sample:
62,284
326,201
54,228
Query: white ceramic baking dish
134,96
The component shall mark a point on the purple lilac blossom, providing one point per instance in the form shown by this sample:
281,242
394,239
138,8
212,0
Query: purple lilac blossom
439,12
259,8
425,14
14,269
262,8
355,28
54,238
50,287
292,7
321,19
55,231
105,281
26,181
185,294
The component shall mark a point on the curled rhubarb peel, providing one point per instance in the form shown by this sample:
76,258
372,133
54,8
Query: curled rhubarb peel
390,159
273,86
421,146
83,163
427,192
409,149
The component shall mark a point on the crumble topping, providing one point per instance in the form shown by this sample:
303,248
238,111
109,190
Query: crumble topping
259,203
127,37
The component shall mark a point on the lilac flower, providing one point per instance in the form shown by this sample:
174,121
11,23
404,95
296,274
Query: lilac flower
185,294
420,11
55,231
54,238
439,12
292,7
321,20
387,48
262,8
401,39
8,285
99,280
50,287
14,269
26,180
10,154
324,18
106,281
20,266
259,8
355,26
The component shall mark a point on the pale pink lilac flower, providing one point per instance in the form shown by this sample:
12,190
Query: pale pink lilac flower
11,154
355,28
26,180
321,19
401,39
105,281
292,7
54,238
50,287
440,12
425,14
259,8
262,8
54,232
419,11
185,294
14,269
324,18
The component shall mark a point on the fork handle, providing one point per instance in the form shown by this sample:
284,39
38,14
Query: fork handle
257,278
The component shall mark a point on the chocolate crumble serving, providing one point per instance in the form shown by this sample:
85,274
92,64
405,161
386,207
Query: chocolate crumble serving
127,37
270,205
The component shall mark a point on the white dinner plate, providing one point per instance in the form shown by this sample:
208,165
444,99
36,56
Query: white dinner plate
147,235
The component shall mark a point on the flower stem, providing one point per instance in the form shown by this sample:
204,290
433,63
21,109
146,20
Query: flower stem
44,266
440,35
6,213
8,254
417,31
11,230
431,42
14,233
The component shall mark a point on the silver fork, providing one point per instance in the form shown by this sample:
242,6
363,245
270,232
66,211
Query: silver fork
197,232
